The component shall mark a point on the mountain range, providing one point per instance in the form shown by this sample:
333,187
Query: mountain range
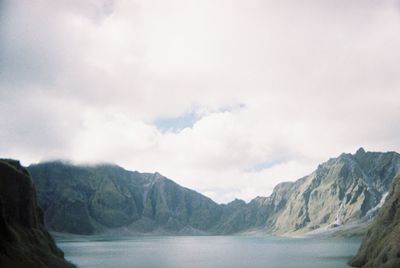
349,190
109,199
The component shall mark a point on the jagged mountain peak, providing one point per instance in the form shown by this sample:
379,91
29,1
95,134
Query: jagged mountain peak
237,202
345,187
360,151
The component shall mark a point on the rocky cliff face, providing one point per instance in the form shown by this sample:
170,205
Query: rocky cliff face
342,190
23,240
349,188
87,200
381,246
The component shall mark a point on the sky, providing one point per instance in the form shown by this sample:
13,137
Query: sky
227,97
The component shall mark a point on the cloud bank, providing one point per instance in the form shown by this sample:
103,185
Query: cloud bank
226,97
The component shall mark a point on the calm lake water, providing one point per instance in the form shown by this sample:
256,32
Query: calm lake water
209,251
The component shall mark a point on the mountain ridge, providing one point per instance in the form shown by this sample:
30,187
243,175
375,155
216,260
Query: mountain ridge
340,191
117,199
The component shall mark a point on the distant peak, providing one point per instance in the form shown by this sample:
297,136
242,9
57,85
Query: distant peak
158,176
237,202
360,151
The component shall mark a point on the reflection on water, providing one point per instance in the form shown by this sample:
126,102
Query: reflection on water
209,251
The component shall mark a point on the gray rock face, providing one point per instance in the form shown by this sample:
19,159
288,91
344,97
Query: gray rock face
88,200
381,246
340,191
346,189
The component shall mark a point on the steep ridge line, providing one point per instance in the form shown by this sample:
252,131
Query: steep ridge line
110,199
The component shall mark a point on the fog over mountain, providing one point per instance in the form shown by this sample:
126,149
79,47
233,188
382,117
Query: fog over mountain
226,97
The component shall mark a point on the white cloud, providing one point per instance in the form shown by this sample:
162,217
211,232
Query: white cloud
285,82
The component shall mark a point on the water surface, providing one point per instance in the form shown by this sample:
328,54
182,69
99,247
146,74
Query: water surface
209,251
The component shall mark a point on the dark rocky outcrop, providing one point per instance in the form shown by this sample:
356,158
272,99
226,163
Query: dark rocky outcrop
24,242
95,199
381,246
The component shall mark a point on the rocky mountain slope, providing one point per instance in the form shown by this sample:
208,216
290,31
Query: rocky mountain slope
347,189
93,199
86,200
381,246
342,190
24,242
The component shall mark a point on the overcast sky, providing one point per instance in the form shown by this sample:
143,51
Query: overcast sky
227,97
